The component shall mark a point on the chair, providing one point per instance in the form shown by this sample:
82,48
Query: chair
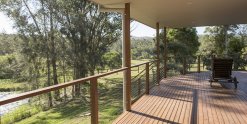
222,70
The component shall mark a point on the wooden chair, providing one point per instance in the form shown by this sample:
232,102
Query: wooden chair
222,70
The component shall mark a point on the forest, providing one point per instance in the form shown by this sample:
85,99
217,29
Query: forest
58,41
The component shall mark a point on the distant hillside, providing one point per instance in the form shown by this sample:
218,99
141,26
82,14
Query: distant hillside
142,38
141,47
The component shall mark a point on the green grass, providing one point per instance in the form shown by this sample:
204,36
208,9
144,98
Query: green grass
194,68
110,107
8,85
22,112
73,110
135,62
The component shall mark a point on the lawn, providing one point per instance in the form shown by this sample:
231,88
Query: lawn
77,111
8,85
194,68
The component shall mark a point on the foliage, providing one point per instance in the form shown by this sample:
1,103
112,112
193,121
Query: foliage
112,59
224,41
56,36
6,66
235,51
9,85
186,36
221,34
181,47
20,113
8,43
142,48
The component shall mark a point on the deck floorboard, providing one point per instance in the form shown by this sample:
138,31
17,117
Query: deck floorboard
189,99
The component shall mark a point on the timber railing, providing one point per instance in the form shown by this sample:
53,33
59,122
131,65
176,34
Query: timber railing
144,77
177,65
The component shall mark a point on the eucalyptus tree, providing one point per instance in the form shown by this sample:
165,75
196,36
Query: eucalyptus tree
28,30
182,45
90,33
221,35
37,33
224,41
76,26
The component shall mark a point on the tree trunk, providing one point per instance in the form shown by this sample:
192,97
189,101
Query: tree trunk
64,80
77,86
49,80
92,72
226,27
48,64
54,56
184,66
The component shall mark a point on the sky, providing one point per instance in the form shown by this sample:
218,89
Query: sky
140,30
137,29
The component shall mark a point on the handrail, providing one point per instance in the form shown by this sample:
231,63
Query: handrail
55,87
63,85
152,62
138,74
143,63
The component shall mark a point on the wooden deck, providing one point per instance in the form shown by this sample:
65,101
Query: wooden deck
190,99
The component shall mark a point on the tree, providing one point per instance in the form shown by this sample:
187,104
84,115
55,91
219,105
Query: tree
142,48
224,41
89,32
182,46
112,59
187,36
221,35
235,51
73,32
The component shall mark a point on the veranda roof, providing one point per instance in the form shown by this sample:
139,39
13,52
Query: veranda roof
183,13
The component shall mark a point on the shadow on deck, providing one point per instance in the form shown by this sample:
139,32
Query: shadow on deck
190,99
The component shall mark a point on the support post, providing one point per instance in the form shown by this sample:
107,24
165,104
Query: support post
126,58
94,101
147,78
199,64
165,53
158,51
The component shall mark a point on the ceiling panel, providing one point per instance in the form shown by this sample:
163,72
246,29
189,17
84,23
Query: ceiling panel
184,13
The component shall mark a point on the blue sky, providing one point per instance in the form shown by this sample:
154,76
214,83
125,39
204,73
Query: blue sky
138,29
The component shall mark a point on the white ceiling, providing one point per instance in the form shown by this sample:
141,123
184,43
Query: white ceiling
183,13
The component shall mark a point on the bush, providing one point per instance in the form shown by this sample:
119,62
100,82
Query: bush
6,62
22,112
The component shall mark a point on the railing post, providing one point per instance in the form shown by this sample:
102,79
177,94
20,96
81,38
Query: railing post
184,65
158,72
199,64
147,78
165,53
139,86
158,51
94,101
